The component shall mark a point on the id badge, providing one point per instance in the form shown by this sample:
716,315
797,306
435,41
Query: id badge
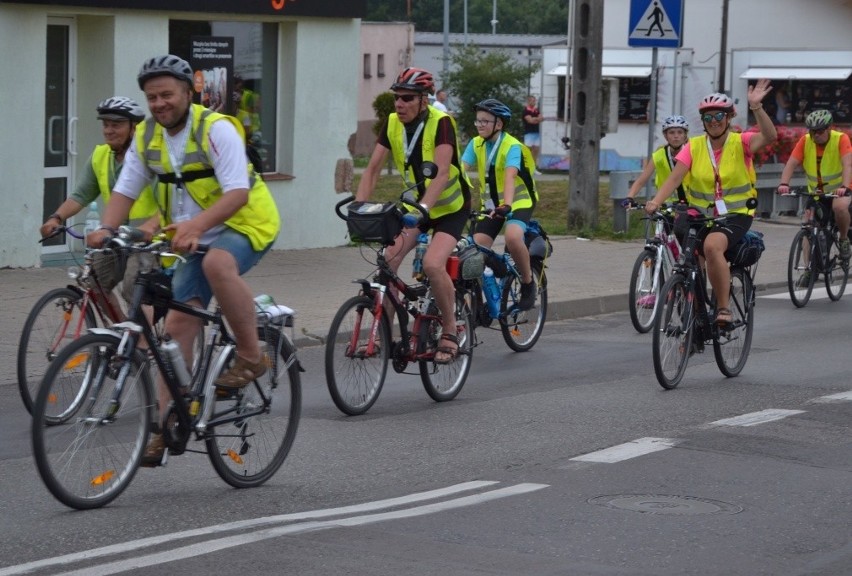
721,208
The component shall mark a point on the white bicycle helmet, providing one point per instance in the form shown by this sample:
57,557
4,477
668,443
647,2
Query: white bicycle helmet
818,120
168,65
717,101
675,122
120,108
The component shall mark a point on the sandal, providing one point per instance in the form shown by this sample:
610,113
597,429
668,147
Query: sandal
154,451
241,374
451,353
724,316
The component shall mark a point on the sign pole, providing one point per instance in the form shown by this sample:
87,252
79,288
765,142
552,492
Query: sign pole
652,119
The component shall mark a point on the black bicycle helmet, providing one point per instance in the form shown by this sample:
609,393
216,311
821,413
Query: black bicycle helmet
494,107
120,108
168,65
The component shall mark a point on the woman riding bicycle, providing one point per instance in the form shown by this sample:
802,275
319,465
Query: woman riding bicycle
416,133
720,167
507,186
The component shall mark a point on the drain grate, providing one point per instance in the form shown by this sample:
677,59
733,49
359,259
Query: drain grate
666,504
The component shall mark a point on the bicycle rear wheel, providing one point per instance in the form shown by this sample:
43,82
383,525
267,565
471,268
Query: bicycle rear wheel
91,456
801,273
732,344
54,321
444,381
644,287
248,451
353,375
673,332
522,329
836,270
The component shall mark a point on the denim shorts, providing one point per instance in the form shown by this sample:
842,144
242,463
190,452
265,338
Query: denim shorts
189,281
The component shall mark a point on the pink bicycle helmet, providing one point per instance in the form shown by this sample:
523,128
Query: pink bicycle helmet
716,101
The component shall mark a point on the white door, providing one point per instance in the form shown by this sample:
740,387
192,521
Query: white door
59,121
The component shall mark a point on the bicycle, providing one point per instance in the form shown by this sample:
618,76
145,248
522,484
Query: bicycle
651,269
816,250
521,329
686,322
95,406
359,348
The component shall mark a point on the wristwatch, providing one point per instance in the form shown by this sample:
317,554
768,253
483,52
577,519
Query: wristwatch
57,216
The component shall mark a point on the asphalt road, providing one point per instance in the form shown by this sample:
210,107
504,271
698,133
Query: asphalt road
569,459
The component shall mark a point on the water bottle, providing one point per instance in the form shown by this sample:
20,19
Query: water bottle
462,244
419,252
492,292
93,219
175,356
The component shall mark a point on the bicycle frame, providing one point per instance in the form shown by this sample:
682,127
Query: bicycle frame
659,242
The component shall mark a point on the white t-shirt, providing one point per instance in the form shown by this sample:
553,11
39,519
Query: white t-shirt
439,106
227,153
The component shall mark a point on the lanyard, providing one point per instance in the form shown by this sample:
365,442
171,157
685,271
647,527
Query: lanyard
490,161
409,146
720,208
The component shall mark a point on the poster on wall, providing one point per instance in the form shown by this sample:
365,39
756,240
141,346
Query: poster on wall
212,61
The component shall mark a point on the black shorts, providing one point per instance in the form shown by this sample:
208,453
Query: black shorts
452,224
734,228
492,226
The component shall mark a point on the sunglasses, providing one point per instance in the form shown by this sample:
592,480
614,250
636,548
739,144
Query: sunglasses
717,116
405,97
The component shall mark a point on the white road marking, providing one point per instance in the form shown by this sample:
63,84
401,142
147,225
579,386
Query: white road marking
250,524
628,450
818,294
755,418
839,397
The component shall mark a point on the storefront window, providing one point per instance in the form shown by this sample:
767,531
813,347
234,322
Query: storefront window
792,100
236,68
634,95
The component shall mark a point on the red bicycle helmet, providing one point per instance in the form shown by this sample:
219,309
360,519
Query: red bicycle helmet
717,101
415,79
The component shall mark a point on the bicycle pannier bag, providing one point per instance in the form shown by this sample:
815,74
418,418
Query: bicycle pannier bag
747,251
373,222
537,241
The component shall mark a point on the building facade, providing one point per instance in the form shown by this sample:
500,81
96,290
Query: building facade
63,57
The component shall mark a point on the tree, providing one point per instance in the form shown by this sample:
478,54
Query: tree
475,76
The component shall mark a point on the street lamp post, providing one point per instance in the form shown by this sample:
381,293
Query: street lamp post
494,18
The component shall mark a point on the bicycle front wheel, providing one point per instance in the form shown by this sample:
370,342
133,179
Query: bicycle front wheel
55,320
522,329
801,273
732,344
444,381
644,288
673,332
249,450
89,458
353,373
836,270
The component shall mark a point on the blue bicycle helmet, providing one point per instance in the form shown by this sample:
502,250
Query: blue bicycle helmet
494,107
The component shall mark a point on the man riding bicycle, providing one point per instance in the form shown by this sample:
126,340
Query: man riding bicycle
720,166
826,157
416,133
506,187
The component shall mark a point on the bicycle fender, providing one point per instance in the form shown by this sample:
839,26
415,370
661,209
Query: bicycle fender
104,332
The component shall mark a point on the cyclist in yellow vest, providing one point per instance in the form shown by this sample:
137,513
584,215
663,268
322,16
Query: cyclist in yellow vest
119,116
826,157
720,181
207,194
416,133
506,187
676,133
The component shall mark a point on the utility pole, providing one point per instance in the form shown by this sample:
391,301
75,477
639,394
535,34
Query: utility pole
445,70
723,49
585,115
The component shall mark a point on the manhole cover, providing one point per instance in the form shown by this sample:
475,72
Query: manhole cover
666,504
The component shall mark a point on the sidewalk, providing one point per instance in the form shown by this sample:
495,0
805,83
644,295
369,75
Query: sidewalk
585,277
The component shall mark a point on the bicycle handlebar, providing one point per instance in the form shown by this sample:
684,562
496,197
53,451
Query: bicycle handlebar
428,170
59,230
797,192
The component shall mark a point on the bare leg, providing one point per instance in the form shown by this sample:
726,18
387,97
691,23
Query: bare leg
718,270
435,267
236,300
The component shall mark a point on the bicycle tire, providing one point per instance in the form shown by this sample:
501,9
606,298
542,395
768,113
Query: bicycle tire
644,286
836,270
674,326
800,286
50,325
248,452
90,458
731,345
443,382
355,379
522,329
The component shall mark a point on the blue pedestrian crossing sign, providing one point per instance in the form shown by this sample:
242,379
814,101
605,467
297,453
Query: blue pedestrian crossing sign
656,23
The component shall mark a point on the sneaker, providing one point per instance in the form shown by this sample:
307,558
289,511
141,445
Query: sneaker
647,301
804,280
528,293
845,250
537,172
154,451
